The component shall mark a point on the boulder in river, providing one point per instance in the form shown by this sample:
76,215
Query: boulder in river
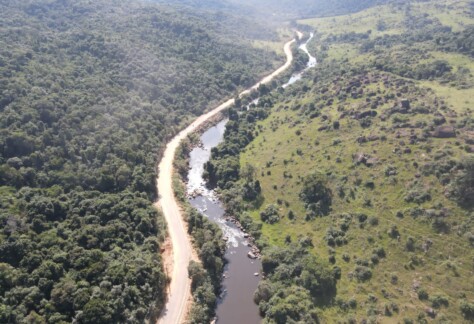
251,255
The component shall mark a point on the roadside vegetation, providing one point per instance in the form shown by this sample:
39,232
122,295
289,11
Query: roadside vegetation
206,274
367,163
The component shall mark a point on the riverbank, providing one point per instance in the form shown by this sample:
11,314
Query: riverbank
241,272
180,284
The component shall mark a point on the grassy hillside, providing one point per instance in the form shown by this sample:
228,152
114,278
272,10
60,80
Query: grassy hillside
297,9
370,158
90,91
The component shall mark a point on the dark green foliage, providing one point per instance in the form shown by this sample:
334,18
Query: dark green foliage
362,273
467,310
90,92
417,195
393,232
335,237
463,184
439,300
410,244
270,215
205,277
207,240
300,60
316,194
97,244
296,282
223,168
291,304
96,310
422,294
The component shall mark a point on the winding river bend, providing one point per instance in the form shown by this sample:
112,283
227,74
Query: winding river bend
179,292
312,62
241,276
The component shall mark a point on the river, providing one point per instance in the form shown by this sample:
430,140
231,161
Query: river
312,62
241,274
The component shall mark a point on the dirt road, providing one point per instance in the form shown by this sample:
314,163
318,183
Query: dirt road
179,295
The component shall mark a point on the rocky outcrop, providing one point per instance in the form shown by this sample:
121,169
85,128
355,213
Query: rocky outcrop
362,158
444,131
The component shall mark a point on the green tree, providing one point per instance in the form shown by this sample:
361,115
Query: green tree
96,311
316,193
463,184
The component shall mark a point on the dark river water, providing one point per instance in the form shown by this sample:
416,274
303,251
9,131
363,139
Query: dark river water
236,303
241,275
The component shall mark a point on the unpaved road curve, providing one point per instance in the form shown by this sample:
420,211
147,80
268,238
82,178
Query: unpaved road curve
180,288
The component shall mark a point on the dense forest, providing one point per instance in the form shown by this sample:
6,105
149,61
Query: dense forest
357,181
89,93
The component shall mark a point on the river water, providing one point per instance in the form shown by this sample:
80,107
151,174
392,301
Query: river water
312,62
241,274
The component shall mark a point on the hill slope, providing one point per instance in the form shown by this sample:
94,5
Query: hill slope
367,165
90,92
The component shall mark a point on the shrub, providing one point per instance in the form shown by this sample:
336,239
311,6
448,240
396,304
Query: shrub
440,225
439,300
394,307
394,279
335,237
374,258
370,184
362,273
352,303
410,244
316,194
390,170
373,221
270,215
332,259
365,122
346,257
470,238
291,215
393,232
361,217
422,294
380,252
467,310
463,185
372,298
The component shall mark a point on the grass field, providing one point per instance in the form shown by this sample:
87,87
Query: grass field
290,146
361,22
390,18
284,34
444,269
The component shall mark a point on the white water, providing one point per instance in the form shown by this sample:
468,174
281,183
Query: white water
235,306
312,62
